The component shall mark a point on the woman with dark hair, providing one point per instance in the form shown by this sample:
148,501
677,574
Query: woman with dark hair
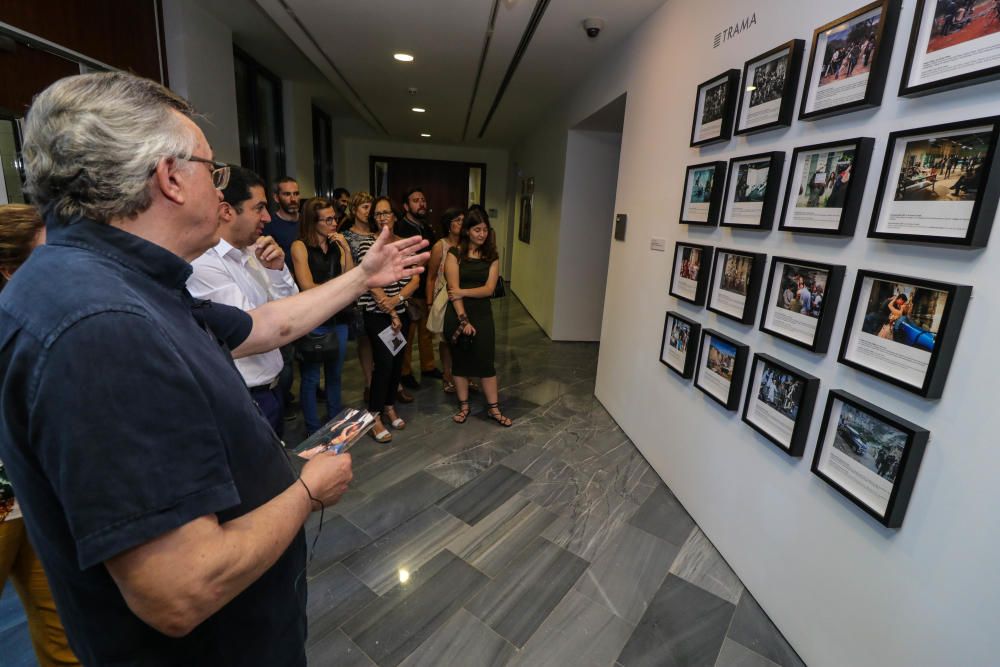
451,225
385,308
472,270
21,231
318,255
359,230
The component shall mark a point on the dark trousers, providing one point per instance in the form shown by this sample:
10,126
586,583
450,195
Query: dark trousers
387,368
287,377
271,406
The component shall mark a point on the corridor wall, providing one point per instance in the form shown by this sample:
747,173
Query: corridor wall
843,589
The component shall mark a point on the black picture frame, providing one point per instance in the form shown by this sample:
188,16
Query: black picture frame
851,202
819,340
985,184
770,419
772,188
786,109
856,442
524,225
950,73
685,369
680,285
727,83
730,396
753,268
878,61
908,334
718,169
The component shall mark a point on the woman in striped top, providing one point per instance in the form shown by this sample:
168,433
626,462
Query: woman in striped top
359,230
385,307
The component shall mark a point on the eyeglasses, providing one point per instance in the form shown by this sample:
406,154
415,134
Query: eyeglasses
220,171
383,214
330,221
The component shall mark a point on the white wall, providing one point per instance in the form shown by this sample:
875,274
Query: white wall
353,154
844,590
200,67
587,211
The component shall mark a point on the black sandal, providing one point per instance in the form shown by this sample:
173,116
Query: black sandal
498,417
463,412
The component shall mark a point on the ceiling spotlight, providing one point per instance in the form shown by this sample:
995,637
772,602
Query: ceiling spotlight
403,57
425,135
418,109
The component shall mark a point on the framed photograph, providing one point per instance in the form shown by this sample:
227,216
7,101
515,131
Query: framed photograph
870,456
825,185
721,364
680,342
904,330
524,226
714,105
849,61
801,300
767,95
752,191
735,286
689,277
939,184
953,43
703,193
779,404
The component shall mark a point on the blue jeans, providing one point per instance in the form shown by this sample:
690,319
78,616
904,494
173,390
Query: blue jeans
310,381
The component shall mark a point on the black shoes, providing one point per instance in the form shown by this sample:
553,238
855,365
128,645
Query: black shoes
433,373
409,382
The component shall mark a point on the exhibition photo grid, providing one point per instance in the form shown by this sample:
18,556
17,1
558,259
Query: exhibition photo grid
904,330
939,184
869,455
752,185
801,301
780,402
952,43
849,61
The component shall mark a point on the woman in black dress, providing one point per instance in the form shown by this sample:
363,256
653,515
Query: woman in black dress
472,270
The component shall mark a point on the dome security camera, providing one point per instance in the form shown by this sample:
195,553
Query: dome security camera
593,27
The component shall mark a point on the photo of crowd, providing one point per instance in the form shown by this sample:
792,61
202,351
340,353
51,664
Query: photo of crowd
715,103
768,81
826,177
690,263
905,314
943,169
721,358
960,21
849,50
736,274
780,390
870,441
701,185
680,334
751,181
802,290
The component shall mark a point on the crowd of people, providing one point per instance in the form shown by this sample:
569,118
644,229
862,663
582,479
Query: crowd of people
152,315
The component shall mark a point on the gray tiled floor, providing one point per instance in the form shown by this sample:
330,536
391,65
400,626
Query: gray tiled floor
549,543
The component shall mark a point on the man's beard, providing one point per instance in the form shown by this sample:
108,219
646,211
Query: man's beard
287,209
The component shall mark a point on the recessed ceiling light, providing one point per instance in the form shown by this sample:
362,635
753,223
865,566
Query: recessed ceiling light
424,135
418,109
403,57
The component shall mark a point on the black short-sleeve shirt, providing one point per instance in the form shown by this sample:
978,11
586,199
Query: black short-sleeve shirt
123,417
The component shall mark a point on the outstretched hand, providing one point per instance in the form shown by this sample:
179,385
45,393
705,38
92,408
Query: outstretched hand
386,263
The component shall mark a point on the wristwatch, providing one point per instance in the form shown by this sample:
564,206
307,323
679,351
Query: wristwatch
402,300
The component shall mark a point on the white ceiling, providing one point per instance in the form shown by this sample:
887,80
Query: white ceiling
351,44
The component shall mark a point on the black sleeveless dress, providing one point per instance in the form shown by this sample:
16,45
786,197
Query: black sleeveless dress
475,360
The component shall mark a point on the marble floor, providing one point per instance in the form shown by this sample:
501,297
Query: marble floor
549,543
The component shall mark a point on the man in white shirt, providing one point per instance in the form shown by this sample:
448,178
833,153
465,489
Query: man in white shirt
246,270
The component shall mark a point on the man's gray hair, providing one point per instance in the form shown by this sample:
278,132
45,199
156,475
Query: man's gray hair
92,142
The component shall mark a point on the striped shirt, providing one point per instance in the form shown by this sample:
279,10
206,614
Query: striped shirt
359,244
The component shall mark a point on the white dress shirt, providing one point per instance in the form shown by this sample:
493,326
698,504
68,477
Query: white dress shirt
235,277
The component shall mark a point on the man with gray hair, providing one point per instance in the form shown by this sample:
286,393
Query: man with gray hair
160,502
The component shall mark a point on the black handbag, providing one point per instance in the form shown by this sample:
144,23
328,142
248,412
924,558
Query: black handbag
318,346
499,291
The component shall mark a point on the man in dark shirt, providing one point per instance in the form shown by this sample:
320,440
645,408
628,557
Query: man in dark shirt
284,228
414,223
159,500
